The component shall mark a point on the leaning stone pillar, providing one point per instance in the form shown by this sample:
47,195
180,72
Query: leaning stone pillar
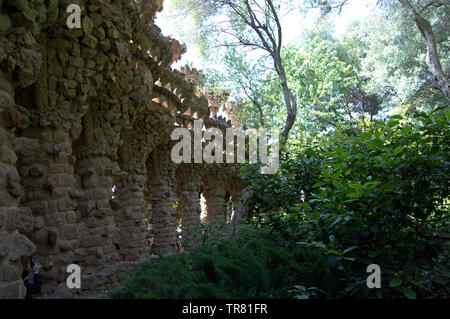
132,211
47,167
132,216
214,191
132,208
189,182
96,153
14,221
97,215
20,64
162,188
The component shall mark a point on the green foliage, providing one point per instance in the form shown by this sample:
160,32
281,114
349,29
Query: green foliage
356,185
389,54
301,292
200,233
319,80
255,264
378,195
381,61
316,75
196,20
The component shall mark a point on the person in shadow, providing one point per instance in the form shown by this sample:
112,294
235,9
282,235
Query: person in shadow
33,287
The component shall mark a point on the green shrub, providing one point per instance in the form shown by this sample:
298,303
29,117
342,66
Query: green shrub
377,195
200,232
255,264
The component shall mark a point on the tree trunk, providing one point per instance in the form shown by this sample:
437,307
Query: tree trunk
289,100
440,80
239,212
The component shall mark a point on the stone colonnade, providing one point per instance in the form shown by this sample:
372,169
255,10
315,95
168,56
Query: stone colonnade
85,122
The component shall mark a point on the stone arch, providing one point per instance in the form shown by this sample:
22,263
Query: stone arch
131,202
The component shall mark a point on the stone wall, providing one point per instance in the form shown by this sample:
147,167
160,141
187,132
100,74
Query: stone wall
85,122
15,222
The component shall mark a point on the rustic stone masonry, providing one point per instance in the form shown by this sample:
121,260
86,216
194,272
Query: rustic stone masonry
189,184
47,172
215,191
162,188
85,122
15,222
97,215
132,218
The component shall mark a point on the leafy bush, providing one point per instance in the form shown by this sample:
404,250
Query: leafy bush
373,195
198,232
255,264
377,195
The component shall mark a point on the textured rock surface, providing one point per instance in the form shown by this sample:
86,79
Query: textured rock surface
215,193
85,122
163,198
189,183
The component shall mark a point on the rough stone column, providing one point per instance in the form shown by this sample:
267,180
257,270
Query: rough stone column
14,221
97,214
214,191
47,169
96,152
20,64
132,217
132,212
132,209
189,182
162,189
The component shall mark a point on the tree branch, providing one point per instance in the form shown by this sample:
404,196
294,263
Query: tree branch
440,80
